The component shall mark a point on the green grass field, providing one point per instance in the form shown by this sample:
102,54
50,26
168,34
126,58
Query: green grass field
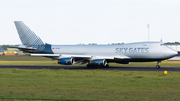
88,85
46,84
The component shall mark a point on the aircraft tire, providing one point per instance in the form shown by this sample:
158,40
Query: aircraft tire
157,66
88,66
107,65
94,66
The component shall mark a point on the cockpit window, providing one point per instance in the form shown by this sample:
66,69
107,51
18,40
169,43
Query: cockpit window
163,44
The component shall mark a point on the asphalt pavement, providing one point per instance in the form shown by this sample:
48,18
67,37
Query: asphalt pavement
72,67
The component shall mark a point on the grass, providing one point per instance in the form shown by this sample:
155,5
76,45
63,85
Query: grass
45,84
102,85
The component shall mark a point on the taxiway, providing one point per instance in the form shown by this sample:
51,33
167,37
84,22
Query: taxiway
122,68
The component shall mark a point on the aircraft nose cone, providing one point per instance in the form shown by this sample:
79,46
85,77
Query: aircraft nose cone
172,53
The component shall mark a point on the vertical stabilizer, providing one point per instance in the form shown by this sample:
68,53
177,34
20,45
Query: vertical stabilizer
28,37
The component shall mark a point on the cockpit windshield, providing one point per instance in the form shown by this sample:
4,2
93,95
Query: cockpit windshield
163,44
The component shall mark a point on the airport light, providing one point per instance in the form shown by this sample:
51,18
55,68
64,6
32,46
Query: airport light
165,72
148,31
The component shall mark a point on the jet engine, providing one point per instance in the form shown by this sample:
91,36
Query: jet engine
66,61
98,62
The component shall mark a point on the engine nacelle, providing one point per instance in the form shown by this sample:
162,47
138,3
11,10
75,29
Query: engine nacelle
98,62
66,61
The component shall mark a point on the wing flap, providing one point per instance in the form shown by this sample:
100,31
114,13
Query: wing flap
122,57
52,55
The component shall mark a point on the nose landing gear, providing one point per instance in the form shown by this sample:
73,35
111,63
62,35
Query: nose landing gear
158,64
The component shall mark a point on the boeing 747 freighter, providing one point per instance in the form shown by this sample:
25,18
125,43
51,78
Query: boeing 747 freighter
93,55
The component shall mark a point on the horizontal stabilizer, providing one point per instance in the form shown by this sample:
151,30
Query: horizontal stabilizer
24,48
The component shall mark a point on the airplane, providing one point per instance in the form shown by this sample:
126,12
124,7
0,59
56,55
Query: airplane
93,55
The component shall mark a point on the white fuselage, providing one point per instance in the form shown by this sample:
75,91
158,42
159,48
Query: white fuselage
141,50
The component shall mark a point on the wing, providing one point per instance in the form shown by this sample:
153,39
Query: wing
80,57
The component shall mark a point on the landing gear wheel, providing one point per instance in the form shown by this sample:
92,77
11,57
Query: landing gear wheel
157,66
94,66
87,66
107,65
91,66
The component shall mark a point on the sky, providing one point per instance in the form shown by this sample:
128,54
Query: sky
92,21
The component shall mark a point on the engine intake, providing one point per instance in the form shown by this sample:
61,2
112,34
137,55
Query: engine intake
99,62
66,61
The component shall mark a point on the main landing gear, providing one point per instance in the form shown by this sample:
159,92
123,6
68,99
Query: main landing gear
95,66
158,64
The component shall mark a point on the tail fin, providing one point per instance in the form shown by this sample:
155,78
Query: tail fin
27,36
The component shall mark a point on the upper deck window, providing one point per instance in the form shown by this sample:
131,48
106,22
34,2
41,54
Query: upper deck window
144,44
